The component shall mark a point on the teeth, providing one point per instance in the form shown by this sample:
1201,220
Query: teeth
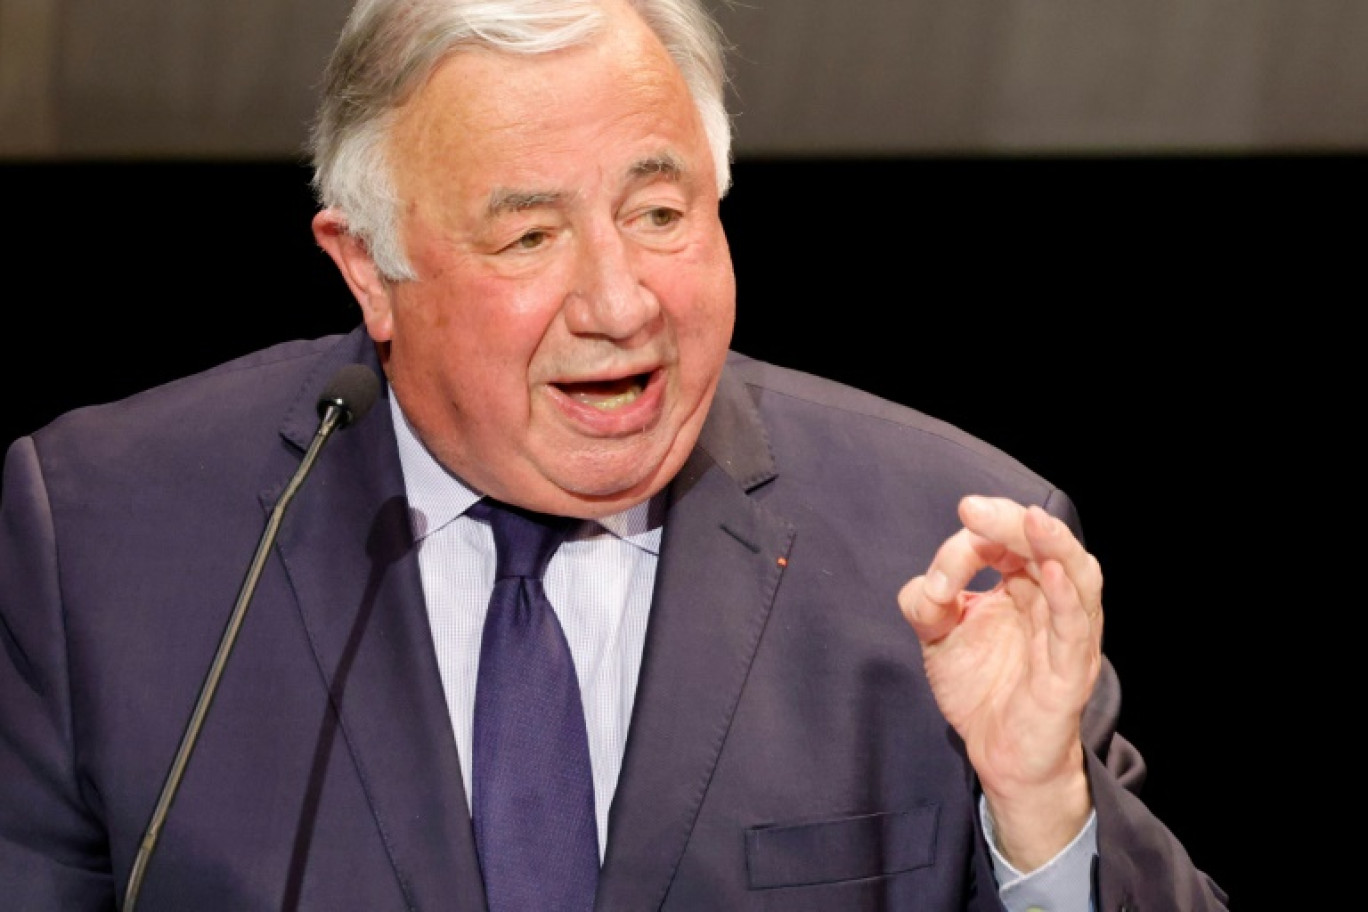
607,395
608,403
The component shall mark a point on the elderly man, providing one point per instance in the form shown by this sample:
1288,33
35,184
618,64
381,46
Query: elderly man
699,694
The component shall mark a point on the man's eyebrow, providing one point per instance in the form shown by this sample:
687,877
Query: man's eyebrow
664,165
502,202
506,200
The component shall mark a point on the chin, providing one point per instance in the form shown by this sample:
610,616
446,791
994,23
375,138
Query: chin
609,485
630,487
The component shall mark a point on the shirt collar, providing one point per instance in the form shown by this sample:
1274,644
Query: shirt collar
437,496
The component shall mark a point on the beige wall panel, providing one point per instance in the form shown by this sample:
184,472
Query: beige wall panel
1166,75
238,78
1314,88
862,75
28,96
192,78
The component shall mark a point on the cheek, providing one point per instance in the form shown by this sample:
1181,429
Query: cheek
704,305
464,302
477,337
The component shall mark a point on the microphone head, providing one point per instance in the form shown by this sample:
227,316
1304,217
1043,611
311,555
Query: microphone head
352,391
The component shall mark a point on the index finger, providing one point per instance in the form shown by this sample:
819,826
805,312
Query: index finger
1027,531
1036,536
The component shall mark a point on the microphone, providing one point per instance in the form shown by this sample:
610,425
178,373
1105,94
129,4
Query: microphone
344,401
350,393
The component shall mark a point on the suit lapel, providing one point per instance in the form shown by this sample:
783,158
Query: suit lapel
719,569
348,551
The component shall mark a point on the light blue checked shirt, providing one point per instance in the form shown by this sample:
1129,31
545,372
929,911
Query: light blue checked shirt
600,583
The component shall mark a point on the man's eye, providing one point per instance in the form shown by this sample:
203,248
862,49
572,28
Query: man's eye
662,217
531,240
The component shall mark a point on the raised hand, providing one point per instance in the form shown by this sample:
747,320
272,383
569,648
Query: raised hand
1012,667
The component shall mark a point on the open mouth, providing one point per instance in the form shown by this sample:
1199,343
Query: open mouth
607,395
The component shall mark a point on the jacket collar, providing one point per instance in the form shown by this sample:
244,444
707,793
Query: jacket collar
348,551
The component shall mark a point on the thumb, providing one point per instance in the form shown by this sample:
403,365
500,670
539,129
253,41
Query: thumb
931,605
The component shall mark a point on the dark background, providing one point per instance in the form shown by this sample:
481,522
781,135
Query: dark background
1160,336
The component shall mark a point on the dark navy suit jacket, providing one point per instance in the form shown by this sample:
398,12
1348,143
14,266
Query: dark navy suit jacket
786,752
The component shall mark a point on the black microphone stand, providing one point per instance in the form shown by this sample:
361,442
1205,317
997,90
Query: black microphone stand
334,412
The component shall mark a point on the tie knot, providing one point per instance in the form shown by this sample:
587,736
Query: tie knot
523,540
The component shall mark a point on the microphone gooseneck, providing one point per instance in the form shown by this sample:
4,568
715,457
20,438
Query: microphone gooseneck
347,397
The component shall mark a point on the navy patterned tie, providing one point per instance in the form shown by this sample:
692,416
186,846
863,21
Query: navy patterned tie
533,788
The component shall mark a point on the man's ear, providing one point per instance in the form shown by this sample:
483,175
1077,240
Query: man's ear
354,261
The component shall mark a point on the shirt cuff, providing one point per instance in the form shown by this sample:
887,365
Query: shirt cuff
1063,884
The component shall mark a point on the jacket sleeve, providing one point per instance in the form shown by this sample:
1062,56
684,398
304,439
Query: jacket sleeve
1140,864
53,848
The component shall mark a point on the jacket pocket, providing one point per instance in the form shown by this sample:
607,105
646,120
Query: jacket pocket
846,848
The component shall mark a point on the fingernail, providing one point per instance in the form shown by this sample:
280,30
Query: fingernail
937,586
978,505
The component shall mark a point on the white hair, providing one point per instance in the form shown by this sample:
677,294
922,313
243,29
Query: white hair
389,47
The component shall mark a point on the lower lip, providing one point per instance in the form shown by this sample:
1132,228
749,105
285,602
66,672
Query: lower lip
633,418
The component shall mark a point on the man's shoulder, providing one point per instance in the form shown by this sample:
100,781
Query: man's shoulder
803,412
245,386
204,423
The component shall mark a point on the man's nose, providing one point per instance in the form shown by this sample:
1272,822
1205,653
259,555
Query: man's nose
608,297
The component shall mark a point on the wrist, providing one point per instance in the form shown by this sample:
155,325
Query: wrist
1033,824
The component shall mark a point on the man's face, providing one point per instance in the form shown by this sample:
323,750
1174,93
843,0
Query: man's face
575,296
